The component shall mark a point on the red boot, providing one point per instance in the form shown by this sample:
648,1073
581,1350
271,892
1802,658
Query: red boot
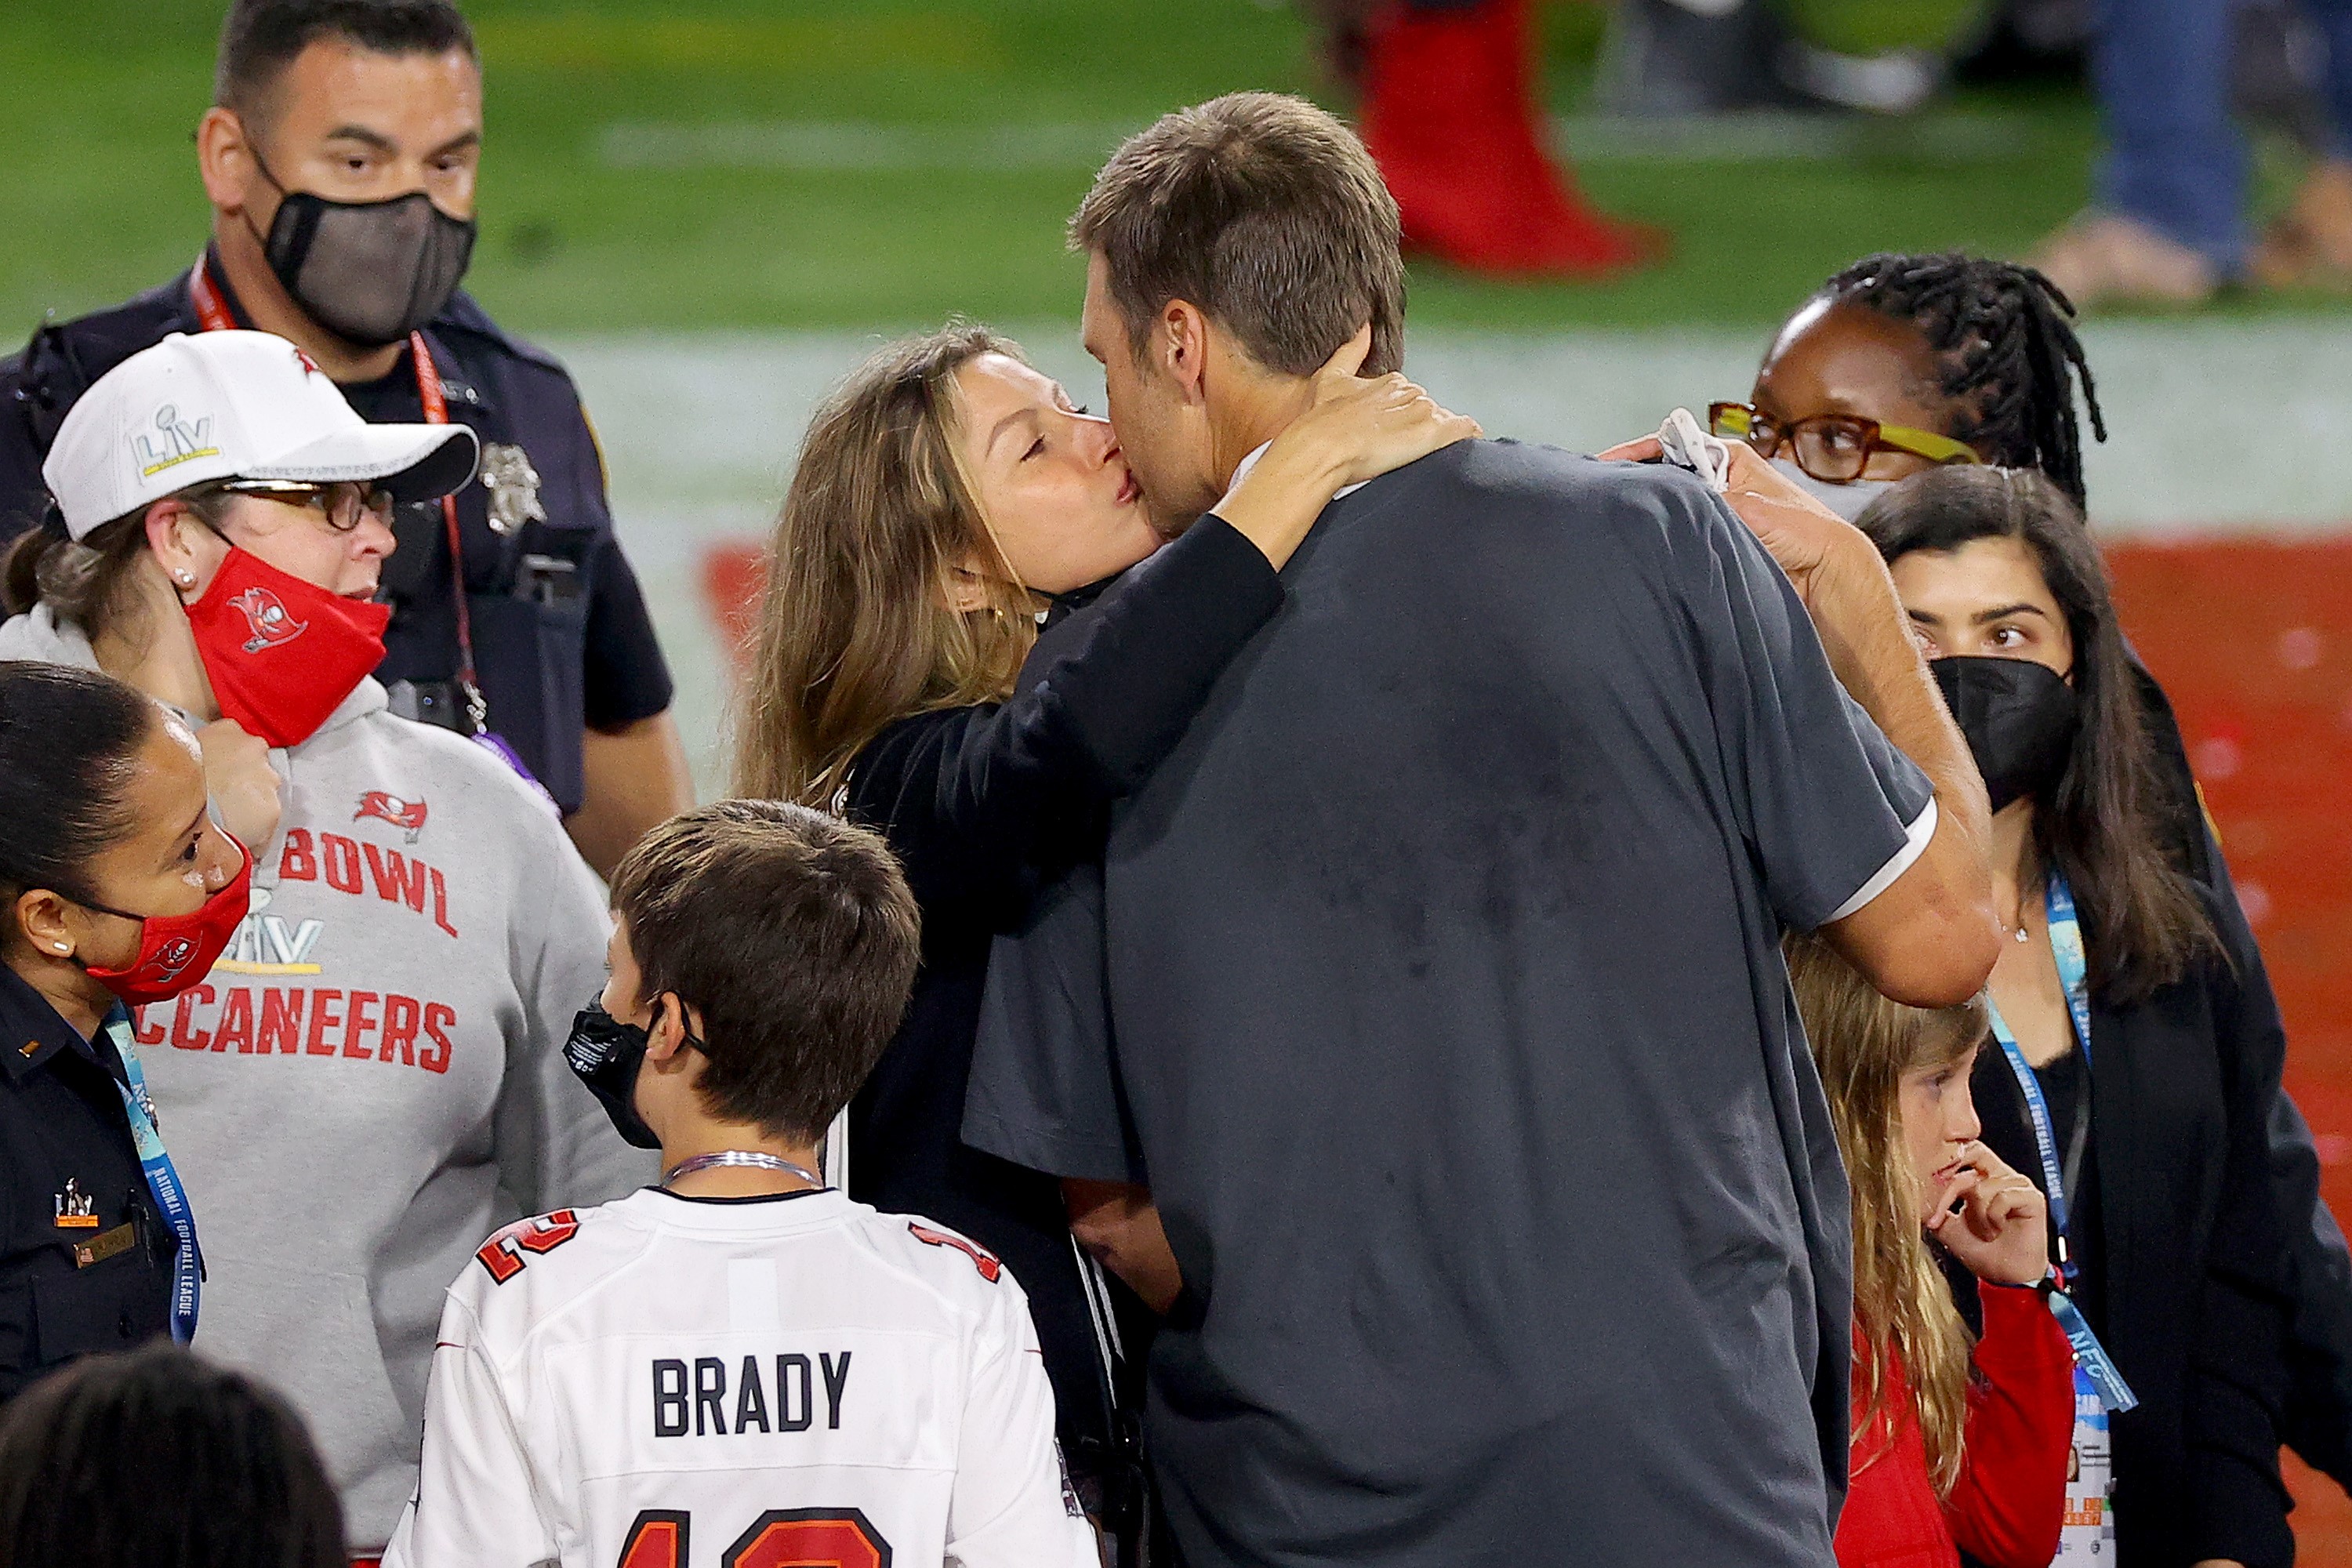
1450,117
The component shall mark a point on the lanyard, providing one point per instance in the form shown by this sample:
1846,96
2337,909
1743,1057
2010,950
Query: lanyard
162,1180
212,313
2073,975
2091,1358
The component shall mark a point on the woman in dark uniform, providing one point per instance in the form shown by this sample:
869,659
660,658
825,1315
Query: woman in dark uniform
118,891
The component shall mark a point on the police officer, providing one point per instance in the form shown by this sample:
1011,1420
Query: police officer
340,159
116,891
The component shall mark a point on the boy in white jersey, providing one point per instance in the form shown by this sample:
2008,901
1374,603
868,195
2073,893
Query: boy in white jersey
740,1368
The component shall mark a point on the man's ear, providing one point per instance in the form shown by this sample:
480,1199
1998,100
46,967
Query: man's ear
1179,345
225,159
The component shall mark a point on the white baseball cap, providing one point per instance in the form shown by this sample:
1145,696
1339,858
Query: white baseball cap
247,406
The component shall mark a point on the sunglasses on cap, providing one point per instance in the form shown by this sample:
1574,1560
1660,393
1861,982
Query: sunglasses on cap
1833,447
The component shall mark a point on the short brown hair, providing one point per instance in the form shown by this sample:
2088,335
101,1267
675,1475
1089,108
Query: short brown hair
795,936
1263,211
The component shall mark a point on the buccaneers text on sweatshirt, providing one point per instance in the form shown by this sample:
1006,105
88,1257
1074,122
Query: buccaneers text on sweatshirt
372,1078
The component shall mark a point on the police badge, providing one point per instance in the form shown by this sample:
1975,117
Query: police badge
513,485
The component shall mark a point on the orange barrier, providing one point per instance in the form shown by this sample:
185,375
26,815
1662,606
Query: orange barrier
2254,643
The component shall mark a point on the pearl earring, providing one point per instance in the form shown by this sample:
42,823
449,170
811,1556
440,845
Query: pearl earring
61,947
186,579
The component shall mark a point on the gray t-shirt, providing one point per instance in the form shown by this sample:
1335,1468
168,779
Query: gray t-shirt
1434,981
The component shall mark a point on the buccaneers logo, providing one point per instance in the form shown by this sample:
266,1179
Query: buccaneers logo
982,1258
266,619
169,959
406,815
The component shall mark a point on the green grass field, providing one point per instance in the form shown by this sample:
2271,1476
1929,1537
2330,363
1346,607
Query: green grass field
880,163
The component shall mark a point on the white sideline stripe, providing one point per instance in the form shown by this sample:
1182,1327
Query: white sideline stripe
838,146
856,146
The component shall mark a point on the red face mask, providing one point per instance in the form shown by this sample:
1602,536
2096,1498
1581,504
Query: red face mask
281,652
177,951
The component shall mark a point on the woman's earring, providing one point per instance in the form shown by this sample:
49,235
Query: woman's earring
184,578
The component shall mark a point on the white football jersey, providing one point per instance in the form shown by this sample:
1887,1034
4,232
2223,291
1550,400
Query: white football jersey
679,1382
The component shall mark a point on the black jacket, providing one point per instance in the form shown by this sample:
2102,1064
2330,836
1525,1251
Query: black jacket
62,1121
982,805
2192,1275
562,638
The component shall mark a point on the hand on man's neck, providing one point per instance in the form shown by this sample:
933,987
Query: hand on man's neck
271,308
1252,406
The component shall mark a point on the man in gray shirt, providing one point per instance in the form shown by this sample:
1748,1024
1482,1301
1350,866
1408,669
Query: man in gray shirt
1436,974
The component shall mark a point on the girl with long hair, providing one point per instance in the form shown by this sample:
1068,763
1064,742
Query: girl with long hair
2135,1052
1955,1444
948,498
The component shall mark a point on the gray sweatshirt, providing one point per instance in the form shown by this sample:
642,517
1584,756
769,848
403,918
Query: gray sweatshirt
372,1080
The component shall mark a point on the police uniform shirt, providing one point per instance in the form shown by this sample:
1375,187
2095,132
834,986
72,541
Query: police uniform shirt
84,1259
562,638
794,1379
1440,968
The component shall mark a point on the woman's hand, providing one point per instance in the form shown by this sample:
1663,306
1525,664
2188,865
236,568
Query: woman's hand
1994,1220
1832,565
1353,430
1811,542
245,787
1358,429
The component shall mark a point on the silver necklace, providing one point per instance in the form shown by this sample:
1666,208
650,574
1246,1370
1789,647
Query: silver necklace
749,1157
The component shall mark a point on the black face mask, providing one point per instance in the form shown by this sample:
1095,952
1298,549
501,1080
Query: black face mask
2019,718
604,1054
369,273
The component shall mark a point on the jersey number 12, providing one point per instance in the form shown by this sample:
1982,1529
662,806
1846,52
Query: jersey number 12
780,1538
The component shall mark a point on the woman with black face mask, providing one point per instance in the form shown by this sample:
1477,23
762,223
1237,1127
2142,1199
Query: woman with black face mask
2132,1063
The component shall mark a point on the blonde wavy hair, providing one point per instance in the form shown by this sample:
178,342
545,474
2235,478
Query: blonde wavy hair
1903,1310
855,631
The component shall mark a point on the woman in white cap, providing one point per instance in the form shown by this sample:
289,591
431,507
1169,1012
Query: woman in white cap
371,1078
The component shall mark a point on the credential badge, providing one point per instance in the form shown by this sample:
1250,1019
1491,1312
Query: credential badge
513,485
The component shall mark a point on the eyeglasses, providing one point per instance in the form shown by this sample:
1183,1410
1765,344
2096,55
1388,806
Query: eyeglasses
1833,447
339,506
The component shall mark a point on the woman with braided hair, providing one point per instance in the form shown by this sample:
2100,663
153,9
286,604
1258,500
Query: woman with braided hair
1900,363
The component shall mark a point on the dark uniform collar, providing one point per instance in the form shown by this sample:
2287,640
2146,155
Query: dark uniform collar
31,1030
